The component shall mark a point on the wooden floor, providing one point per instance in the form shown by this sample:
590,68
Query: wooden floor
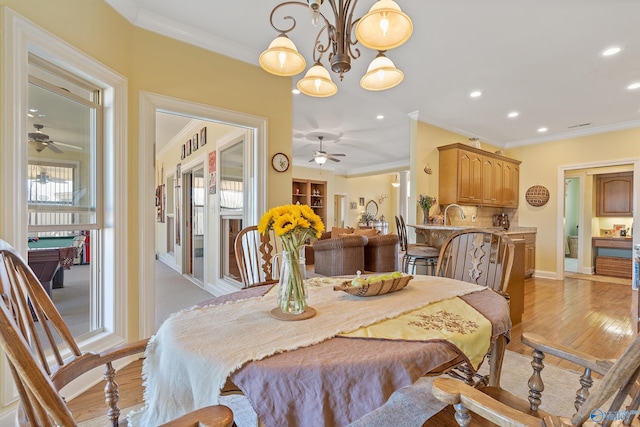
590,316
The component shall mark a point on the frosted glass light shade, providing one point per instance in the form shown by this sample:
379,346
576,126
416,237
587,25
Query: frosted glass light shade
321,159
317,82
382,74
384,27
282,58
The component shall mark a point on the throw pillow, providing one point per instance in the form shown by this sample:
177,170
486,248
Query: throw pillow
367,232
336,232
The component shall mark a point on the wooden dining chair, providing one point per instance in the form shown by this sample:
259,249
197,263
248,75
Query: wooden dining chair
477,255
44,357
484,257
620,386
415,254
254,256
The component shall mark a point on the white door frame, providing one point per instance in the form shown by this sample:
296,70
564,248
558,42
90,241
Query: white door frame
149,104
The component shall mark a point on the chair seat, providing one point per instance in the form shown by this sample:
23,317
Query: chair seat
422,251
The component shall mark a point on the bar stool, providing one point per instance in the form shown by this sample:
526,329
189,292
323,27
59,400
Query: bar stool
415,254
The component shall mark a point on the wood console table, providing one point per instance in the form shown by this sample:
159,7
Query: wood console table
613,256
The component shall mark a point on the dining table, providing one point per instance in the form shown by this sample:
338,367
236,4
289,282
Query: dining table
327,370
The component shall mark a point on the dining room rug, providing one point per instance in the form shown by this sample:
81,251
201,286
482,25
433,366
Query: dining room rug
413,405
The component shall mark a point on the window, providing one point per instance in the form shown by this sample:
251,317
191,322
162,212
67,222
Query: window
64,119
63,191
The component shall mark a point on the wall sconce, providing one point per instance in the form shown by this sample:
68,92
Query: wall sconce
427,169
396,183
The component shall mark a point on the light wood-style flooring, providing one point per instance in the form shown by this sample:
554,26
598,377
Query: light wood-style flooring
593,317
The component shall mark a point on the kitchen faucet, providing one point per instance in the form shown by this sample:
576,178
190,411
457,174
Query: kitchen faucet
457,206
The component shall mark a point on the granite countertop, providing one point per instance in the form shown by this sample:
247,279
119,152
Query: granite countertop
511,230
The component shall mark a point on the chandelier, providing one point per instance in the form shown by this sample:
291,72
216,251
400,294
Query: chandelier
383,28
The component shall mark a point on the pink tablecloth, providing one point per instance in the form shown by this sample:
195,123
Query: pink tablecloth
340,380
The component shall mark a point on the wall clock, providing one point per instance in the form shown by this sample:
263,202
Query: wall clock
280,162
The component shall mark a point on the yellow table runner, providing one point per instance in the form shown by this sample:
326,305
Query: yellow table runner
452,320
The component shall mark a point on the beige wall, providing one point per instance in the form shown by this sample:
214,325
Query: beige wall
164,66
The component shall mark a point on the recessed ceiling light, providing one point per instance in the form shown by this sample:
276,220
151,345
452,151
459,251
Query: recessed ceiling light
475,94
379,117
542,130
295,92
33,110
30,115
513,114
611,51
633,86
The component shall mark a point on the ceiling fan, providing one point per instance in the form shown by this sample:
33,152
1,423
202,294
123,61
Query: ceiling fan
320,156
40,141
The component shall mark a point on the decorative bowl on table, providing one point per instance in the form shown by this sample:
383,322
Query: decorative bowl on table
378,287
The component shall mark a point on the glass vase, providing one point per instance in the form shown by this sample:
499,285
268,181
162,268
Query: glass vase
425,216
292,290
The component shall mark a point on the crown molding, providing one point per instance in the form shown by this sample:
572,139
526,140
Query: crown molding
175,30
575,133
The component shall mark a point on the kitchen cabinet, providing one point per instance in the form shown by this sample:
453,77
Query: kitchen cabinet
529,250
311,193
614,194
471,176
492,177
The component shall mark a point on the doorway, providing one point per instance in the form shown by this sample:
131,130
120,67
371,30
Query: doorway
253,130
572,223
340,210
194,253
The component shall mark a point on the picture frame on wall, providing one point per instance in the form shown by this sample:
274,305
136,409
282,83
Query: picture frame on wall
183,152
361,201
188,144
203,136
178,173
194,142
353,205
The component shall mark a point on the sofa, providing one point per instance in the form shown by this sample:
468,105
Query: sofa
344,251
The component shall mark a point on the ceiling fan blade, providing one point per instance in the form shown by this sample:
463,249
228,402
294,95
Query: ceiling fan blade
333,159
64,144
54,148
313,159
336,154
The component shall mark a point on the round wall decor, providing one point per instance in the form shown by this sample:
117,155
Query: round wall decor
537,195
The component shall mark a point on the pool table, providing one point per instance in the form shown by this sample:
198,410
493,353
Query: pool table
48,257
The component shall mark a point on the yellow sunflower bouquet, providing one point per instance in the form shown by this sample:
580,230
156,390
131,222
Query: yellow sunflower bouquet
294,225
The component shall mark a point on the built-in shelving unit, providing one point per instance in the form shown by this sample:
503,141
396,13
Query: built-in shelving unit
312,193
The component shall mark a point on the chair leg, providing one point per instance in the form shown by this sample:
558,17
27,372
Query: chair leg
536,386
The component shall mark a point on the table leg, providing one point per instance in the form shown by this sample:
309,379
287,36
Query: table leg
58,279
498,348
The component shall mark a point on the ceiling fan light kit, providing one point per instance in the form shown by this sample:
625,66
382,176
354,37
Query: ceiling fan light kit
384,27
321,156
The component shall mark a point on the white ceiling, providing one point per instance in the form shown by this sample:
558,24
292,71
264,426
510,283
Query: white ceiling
540,58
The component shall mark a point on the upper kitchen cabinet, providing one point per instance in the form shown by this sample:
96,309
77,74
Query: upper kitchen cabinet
471,176
614,194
